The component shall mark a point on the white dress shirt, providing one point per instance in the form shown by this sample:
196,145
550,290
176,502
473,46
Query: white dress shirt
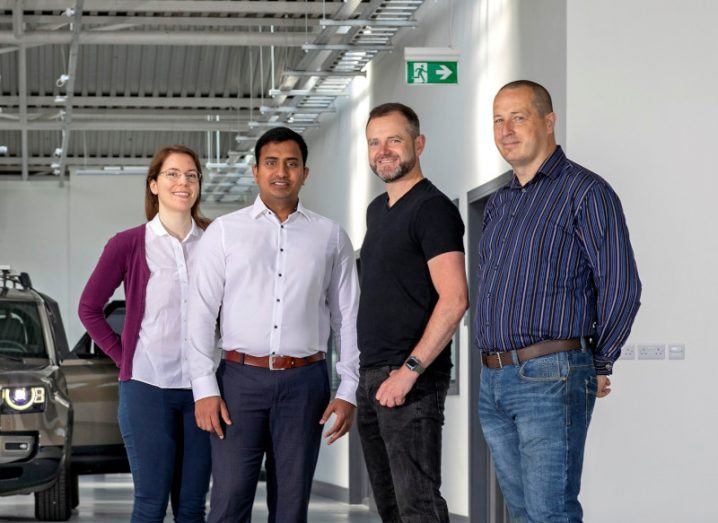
281,286
158,357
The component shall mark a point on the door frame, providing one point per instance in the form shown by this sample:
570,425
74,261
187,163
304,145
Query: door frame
486,503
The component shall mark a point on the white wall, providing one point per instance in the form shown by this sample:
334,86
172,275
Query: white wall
57,233
642,108
499,41
34,236
634,86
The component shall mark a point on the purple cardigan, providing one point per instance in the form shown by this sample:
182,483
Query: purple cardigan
123,260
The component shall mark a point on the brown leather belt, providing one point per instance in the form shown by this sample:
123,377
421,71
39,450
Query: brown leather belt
497,360
273,362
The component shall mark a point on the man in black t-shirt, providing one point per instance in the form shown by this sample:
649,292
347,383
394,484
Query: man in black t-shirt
413,295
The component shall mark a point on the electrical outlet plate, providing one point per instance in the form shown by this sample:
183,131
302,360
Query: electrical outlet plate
628,352
676,351
652,351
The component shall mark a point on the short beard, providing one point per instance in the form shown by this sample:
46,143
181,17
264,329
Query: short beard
402,170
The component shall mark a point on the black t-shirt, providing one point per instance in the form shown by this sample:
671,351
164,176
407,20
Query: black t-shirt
397,295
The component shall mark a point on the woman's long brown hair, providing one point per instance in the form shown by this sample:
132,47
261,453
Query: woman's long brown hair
152,204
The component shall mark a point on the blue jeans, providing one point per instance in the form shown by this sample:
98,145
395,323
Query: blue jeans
168,453
535,417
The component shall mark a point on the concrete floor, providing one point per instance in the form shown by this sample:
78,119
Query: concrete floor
108,499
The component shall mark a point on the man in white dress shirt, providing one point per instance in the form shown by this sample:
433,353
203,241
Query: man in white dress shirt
280,278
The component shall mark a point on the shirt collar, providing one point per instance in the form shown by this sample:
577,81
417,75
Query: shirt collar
259,208
553,164
551,167
156,227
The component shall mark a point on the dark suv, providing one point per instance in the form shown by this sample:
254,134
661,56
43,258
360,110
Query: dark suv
57,409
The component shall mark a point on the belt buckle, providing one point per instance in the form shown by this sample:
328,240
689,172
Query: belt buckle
498,357
271,362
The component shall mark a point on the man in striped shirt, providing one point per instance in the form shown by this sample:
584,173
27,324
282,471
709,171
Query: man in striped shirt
558,291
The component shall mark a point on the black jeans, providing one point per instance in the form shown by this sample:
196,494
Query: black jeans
402,447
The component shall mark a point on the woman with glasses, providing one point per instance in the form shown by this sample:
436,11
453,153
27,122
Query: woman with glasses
169,456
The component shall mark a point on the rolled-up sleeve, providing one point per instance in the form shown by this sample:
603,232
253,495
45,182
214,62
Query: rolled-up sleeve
205,298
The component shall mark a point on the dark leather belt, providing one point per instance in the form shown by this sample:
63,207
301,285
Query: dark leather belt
273,362
497,360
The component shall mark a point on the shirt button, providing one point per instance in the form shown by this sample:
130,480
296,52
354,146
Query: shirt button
281,250
275,326
282,226
523,190
277,300
496,267
280,274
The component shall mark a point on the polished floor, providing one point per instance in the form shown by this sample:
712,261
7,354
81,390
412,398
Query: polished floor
107,499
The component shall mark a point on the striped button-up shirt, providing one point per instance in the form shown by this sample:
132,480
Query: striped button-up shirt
555,262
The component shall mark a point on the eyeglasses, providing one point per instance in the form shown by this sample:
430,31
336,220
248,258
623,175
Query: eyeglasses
175,175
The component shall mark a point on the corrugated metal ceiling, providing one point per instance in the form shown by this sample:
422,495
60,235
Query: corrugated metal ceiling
197,72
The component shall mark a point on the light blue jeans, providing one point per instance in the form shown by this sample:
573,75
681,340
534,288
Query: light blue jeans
535,417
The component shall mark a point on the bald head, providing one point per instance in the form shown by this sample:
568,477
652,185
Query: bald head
541,97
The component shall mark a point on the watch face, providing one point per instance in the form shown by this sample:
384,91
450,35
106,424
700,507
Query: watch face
414,365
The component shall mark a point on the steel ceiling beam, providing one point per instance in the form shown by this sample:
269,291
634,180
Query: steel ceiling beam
190,102
128,125
70,85
76,160
323,74
347,47
50,114
22,88
180,6
196,21
174,38
367,23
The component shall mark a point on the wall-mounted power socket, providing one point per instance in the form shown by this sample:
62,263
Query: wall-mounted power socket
628,352
676,351
653,351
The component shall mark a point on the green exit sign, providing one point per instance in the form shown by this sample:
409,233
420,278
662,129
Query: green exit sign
432,72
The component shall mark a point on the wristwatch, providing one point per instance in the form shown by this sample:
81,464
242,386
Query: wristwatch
414,364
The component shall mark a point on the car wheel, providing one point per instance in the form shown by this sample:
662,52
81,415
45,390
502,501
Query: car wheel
55,502
75,490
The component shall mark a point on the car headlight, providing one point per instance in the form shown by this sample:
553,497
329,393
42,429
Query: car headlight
22,399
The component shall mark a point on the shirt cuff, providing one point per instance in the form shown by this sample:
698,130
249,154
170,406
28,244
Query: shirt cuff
347,391
603,368
204,387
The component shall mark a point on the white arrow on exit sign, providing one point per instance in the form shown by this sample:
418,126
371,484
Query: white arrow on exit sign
444,71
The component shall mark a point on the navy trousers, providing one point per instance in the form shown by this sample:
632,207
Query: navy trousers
169,456
274,413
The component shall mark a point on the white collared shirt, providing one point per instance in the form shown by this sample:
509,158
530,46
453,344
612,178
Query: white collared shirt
281,286
158,356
